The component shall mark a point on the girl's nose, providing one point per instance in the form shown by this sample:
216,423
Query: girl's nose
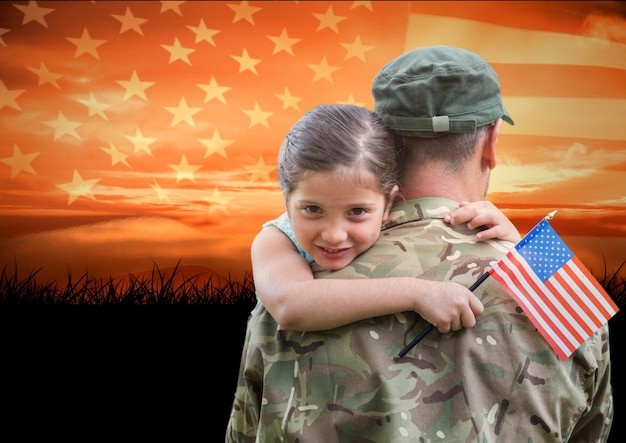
334,234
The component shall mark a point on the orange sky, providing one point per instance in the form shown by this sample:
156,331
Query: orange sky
136,133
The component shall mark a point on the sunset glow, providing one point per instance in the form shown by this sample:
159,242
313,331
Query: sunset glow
136,133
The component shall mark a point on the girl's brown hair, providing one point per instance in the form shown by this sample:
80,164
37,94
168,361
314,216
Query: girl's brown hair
335,137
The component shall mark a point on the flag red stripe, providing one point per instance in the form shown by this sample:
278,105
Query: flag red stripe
569,284
573,304
506,272
537,293
556,309
607,303
567,306
502,278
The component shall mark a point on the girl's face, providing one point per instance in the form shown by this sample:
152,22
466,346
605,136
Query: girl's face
337,215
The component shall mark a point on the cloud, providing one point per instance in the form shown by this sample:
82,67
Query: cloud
606,27
126,246
577,155
552,168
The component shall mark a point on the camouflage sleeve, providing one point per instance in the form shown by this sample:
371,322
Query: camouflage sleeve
595,423
243,422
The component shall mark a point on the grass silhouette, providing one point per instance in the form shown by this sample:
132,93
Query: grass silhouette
615,284
157,289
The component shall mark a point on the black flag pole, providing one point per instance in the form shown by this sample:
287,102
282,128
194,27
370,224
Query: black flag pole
429,328
476,284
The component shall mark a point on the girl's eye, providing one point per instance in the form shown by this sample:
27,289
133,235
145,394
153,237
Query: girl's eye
358,211
313,209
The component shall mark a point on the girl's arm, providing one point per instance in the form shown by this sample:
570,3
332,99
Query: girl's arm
486,214
285,285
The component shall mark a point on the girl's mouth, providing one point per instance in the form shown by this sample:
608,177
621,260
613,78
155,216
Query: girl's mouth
332,252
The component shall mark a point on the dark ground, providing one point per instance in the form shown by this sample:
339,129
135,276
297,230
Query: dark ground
139,373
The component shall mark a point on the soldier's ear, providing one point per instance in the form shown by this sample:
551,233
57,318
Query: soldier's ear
490,142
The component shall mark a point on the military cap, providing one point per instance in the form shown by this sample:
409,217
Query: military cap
436,90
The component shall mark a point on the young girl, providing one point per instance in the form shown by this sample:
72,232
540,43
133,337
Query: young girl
338,172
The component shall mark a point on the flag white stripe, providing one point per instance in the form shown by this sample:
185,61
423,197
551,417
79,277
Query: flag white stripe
566,293
593,290
573,288
561,306
495,42
538,297
558,117
526,305
555,343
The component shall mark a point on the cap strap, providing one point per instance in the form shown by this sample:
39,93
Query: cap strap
440,123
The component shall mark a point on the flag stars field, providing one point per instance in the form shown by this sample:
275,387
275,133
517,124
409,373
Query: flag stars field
33,12
95,107
20,161
260,171
243,11
352,101
257,116
86,45
356,49
203,33
171,6
185,171
366,4
162,194
46,76
2,32
62,126
329,20
79,187
217,201
140,142
214,91
289,101
215,145
8,97
247,63
135,86
130,22
323,70
178,52
183,113
117,156
283,42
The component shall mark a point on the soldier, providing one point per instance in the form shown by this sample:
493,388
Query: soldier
499,381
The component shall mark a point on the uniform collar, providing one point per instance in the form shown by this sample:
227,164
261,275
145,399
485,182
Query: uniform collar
418,209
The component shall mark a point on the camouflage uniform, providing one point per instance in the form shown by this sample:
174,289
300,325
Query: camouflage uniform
497,382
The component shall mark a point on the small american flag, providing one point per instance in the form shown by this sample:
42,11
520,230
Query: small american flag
554,288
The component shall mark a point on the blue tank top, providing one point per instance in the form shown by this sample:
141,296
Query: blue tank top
284,224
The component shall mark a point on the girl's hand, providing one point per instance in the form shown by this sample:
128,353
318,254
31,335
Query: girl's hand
484,214
449,306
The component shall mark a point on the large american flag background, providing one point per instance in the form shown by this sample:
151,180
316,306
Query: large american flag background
135,133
